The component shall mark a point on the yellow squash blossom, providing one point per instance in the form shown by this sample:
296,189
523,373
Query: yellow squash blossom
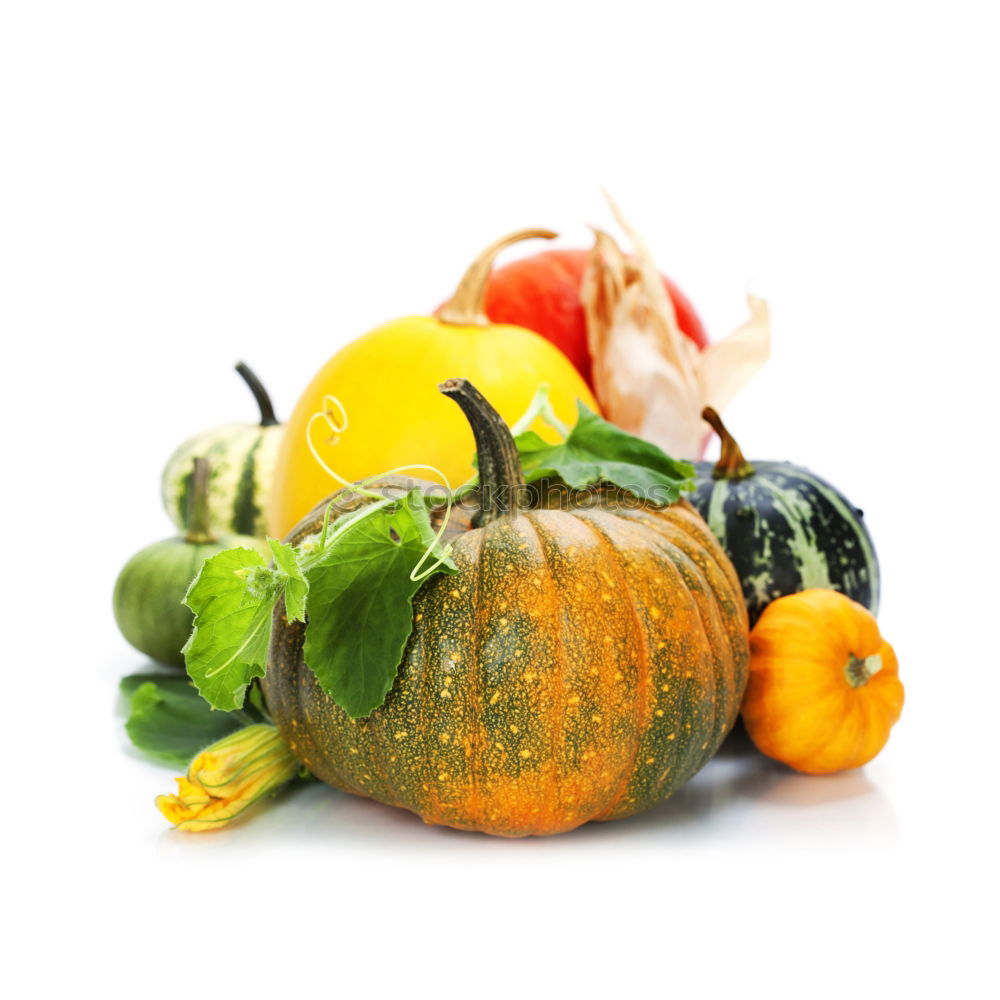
229,776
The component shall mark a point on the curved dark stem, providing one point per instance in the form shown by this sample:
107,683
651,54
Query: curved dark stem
267,417
731,464
501,481
199,522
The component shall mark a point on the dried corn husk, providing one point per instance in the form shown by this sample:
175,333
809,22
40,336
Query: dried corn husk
649,378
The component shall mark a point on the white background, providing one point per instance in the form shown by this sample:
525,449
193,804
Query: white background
187,184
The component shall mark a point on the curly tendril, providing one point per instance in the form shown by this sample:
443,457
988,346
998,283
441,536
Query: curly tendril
337,423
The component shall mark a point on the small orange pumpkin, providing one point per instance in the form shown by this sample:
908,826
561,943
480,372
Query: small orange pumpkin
824,686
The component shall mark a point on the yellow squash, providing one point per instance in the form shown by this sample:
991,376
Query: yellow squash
385,384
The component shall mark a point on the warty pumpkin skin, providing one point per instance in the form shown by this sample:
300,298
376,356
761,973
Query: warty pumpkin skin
583,664
824,686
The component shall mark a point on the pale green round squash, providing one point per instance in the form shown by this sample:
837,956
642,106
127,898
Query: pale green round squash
149,592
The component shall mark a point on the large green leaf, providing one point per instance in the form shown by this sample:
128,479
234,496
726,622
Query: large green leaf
232,598
170,721
597,451
361,603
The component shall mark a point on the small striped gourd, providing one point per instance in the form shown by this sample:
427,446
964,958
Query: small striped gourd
785,529
242,457
586,661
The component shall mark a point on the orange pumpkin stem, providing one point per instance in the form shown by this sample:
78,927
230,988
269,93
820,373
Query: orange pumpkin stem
501,480
731,464
465,308
199,521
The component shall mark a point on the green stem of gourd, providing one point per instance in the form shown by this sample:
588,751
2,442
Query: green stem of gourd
860,671
731,464
267,417
199,522
465,307
501,480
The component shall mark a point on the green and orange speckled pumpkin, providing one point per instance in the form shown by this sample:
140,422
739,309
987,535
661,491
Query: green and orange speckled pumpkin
586,661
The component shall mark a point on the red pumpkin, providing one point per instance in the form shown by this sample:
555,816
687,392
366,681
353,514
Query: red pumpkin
542,293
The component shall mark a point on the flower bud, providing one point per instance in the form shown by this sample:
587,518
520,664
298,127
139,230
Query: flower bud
229,776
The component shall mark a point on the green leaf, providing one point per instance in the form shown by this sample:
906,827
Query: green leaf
597,451
130,684
296,585
531,441
352,585
232,598
170,721
361,593
257,710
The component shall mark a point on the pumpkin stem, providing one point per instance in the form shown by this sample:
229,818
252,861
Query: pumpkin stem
859,672
731,464
501,481
267,417
199,525
465,308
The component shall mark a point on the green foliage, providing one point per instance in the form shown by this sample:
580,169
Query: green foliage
170,721
596,451
232,598
353,586
364,589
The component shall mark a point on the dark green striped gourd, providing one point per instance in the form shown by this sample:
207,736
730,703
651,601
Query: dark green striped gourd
242,457
152,584
785,529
